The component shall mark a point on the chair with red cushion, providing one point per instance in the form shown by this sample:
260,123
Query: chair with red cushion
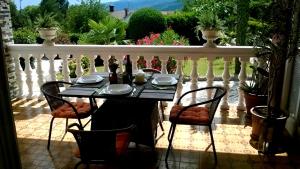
61,108
101,146
194,114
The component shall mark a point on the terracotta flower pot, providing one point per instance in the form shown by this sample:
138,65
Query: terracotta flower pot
274,129
252,100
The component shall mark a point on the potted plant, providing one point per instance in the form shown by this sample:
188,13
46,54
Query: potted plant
255,91
282,47
210,25
47,27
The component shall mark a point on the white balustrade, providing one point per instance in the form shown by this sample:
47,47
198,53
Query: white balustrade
179,72
226,78
210,76
242,78
119,51
65,67
40,72
18,74
79,69
28,75
92,63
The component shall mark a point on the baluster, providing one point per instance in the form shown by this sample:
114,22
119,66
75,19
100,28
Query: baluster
40,74
28,75
242,78
194,79
66,70
164,61
52,71
92,64
194,74
148,61
18,74
210,76
105,58
120,62
134,60
226,77
179,72
79,70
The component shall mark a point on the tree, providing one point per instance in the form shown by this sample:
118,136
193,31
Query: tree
241,28
59,7
78,15
145,21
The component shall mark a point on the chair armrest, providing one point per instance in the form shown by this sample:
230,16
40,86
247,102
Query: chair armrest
76,125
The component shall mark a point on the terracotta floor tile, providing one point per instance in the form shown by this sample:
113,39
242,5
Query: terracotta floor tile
191,148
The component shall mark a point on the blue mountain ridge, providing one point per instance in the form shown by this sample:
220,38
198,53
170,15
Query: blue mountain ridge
162,5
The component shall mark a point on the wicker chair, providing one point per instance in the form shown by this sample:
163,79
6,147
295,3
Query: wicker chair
101,146
61,108
194,115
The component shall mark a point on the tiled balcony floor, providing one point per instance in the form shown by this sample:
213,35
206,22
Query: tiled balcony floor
190,144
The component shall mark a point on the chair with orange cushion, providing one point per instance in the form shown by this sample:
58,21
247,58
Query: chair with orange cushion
101,146
61,108
194,114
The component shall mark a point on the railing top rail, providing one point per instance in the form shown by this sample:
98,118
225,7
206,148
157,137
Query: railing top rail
138,50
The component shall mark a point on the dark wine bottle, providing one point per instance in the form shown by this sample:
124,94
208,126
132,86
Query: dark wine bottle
127,75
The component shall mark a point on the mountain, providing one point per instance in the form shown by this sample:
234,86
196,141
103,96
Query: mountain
163,5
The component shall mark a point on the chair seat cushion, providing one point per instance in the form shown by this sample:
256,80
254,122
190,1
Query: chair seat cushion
122,142
193,115
66,111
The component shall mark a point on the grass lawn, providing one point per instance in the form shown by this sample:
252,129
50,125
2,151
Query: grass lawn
218,67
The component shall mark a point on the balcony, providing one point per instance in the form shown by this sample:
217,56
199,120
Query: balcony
191,143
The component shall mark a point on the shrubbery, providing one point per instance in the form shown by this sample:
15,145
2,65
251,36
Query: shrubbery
145,21
85,63
24,36
184,24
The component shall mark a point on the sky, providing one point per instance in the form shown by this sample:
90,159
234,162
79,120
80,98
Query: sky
25,3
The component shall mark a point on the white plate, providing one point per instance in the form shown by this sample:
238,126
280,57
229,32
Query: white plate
164,81
118,89
89,79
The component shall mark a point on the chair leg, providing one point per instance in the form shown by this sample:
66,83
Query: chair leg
161,125
78,164
213,144
162,110
172,131
50,131
169,134
67,120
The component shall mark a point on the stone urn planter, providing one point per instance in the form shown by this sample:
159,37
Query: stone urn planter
276,125
210,35
48,34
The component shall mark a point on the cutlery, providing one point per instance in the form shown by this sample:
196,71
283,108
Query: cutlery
163,87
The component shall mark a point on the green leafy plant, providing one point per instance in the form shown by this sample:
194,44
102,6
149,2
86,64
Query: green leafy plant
46,20
208,21
109,30
184,23
85,63
24,36
258,84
